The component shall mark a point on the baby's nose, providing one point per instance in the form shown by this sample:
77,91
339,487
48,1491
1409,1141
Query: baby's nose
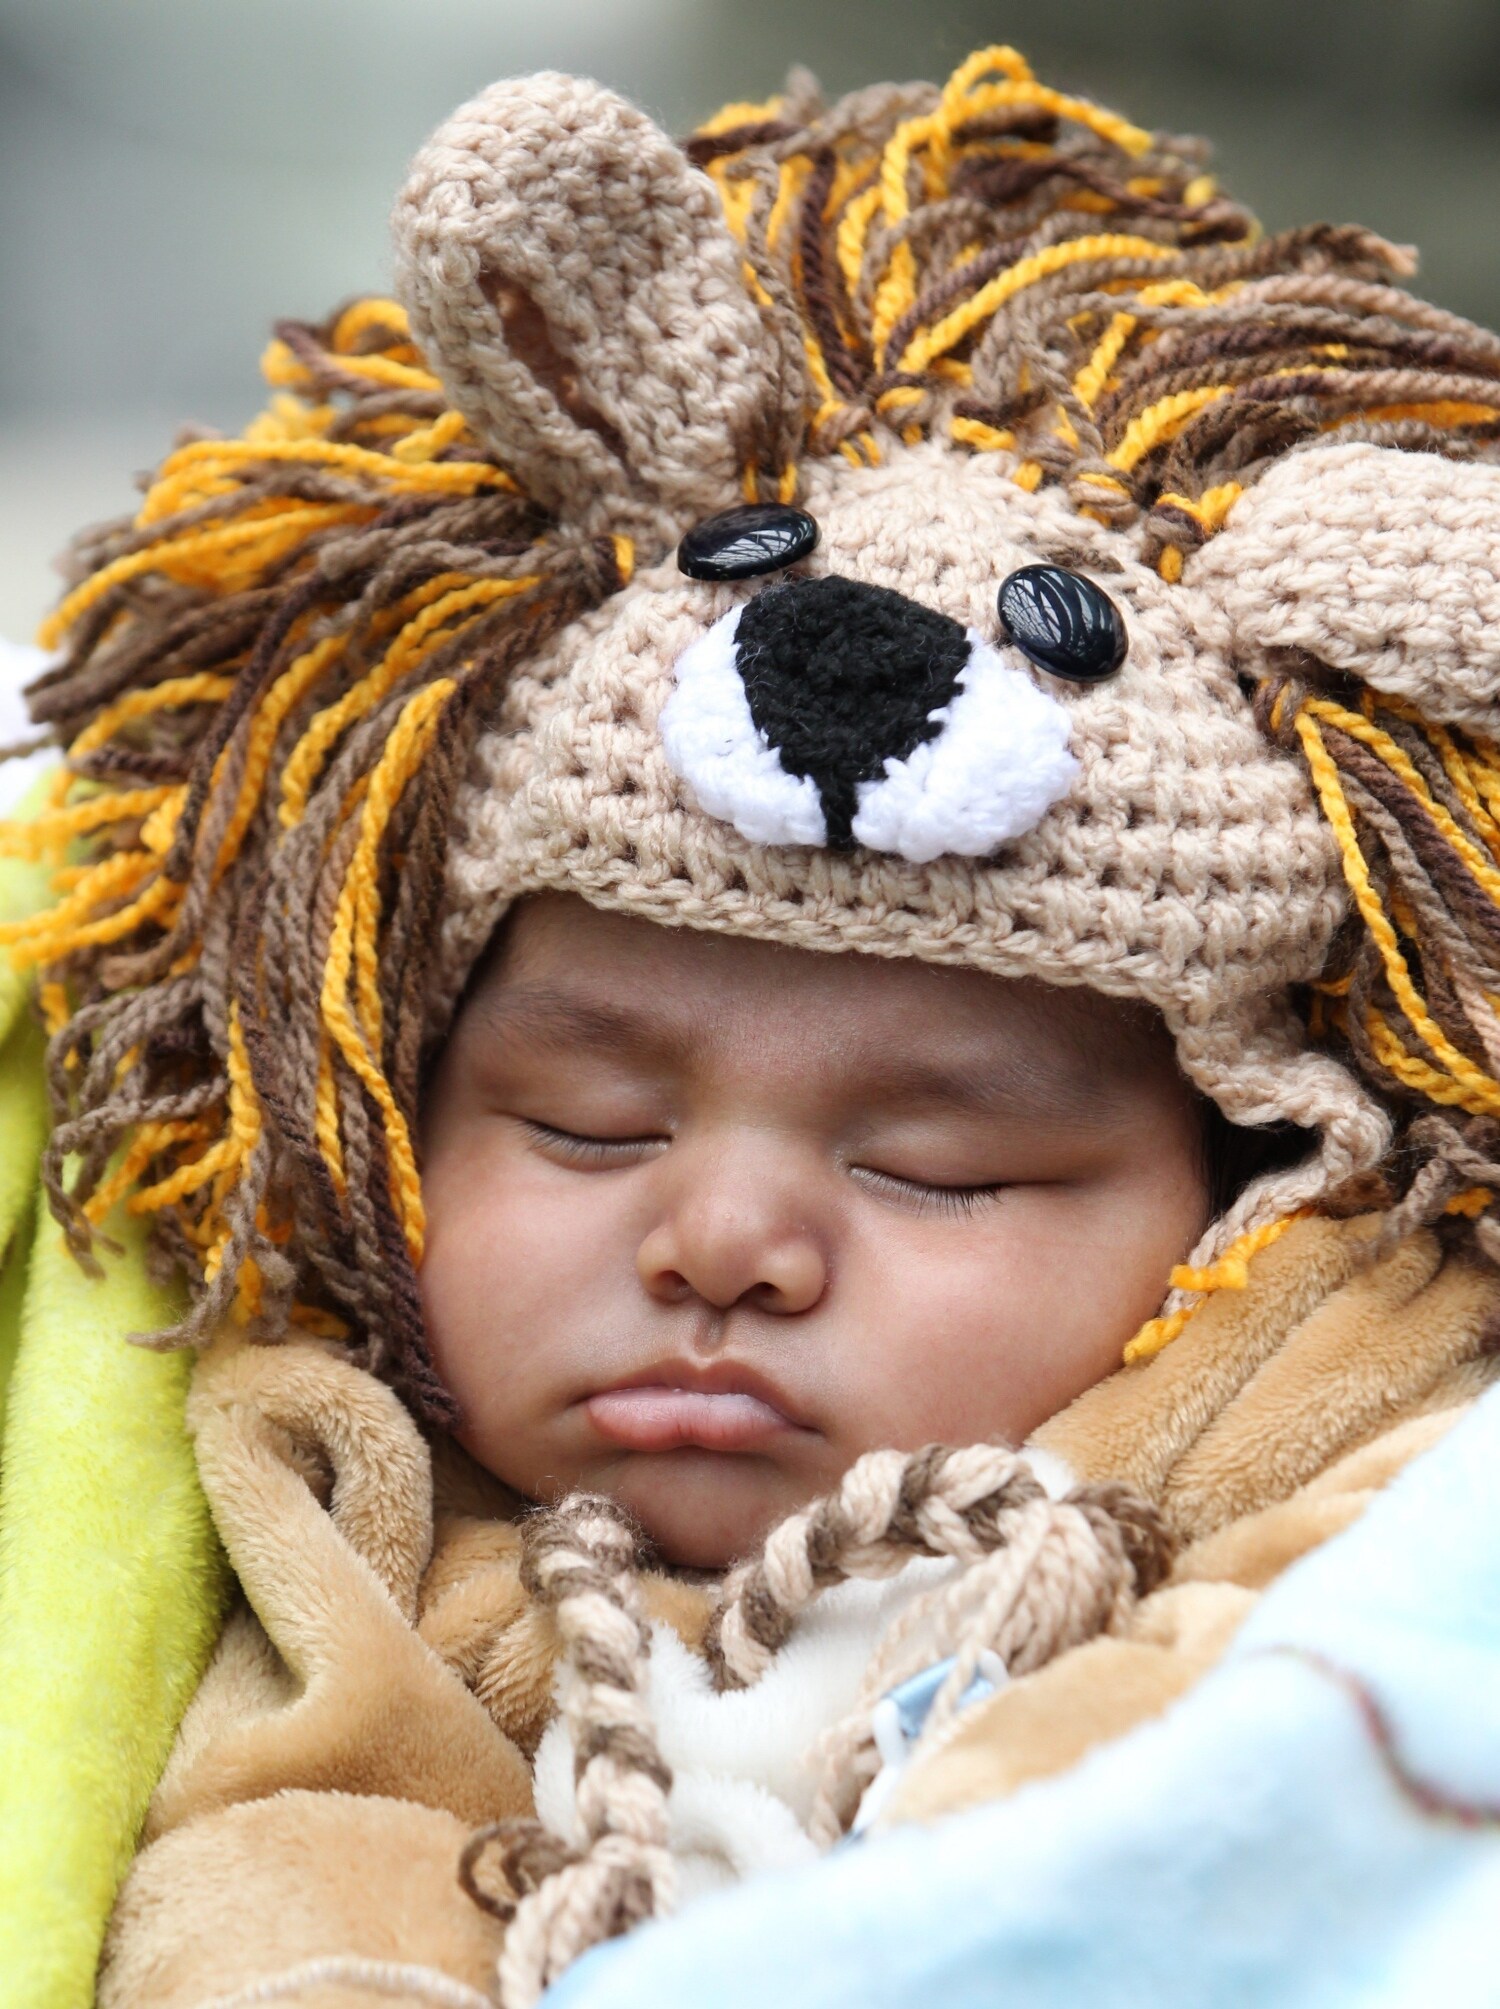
728,1249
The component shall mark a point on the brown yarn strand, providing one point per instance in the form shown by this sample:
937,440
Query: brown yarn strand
287,683
582,1561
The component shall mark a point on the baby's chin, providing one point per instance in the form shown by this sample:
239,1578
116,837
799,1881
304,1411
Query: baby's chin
706,1509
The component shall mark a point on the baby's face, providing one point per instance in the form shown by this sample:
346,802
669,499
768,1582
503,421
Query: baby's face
708,1218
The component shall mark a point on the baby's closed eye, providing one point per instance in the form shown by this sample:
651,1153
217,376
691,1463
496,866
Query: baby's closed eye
589,1152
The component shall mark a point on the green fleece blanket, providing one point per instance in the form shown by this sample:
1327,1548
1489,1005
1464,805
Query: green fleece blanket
111,1580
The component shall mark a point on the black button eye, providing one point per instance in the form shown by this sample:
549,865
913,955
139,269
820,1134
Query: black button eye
742,543
1066,624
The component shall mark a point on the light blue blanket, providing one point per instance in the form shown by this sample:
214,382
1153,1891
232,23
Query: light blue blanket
1256,1845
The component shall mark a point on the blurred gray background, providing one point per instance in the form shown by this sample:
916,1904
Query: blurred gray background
176,173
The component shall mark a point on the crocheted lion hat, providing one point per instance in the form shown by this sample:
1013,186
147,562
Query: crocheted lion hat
937,524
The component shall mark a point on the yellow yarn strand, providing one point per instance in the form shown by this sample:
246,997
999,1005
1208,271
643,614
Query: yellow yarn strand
366,317
280,367
998,56
897,289
1484,767
930,343
204,688
213,557
1466,776
197,472
118,874
1091,379
1467,1085
149,1141
288,689
975,433
222,1164
1158,1333
1162,421
1108,125
52,831
416,640
358,900
221,1157
1210,508
326,1119
1472,1203
1399,762
182,472
1409,1068
1230,1272
853,229
152,905
432,440
244,1104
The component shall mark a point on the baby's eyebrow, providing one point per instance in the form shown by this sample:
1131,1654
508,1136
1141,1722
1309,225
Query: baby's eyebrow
1009,1083
1062,1088
548,1016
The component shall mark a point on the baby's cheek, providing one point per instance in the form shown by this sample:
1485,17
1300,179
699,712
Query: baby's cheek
992,1327
521,1267
486,1263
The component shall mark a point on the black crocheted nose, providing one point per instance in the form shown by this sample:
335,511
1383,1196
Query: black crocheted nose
842,678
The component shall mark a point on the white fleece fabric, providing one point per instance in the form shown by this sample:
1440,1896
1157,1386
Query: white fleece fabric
743,1763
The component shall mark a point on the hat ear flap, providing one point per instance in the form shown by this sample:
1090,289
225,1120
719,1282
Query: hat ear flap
1376,561
1385,565
572,280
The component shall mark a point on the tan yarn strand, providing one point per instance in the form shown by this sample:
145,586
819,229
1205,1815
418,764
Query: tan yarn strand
1053,1575
580,1559
887,1508
397,1981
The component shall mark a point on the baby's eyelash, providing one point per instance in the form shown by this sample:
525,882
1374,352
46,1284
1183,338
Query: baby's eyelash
575,1149
954,1201
571,1147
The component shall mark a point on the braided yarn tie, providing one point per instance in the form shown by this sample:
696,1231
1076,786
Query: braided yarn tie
889,1506
581,1559
1038,1576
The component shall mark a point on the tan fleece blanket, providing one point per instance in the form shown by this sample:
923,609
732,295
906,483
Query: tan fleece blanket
380,1688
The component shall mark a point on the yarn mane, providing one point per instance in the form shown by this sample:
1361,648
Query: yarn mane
273,674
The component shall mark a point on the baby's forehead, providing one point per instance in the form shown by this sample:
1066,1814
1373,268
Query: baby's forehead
563,975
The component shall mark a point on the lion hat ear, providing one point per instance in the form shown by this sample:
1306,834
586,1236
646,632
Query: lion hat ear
1377,561
570,275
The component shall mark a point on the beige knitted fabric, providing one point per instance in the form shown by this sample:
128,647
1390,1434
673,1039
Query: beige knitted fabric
1187,866
1384,564
574,273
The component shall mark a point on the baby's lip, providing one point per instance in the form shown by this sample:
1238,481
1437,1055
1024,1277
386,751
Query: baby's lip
677,1406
